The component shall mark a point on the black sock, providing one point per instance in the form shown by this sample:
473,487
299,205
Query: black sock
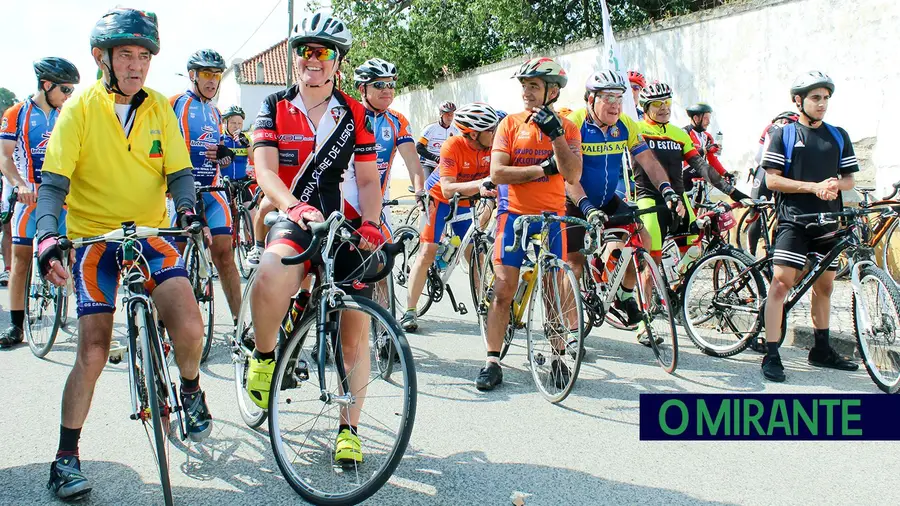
190,386
234,319
261,244
18,317
821,336
258,355
351,428
773,349
495,354
68,442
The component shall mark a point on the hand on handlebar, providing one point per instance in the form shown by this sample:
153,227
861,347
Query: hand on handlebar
301,213
27,196
371,236
487,188
50,257
675,202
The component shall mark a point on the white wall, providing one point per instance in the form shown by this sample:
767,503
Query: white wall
740,58
248,96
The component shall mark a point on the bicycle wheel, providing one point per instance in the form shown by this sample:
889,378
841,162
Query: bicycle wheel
242,345
205,295
722,303
245,243
43,313
144,332
303,427
658,321
890,253
382,344
413,217
403,264
876,313
554,330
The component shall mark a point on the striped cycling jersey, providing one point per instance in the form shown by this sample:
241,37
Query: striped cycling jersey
199,123
29,127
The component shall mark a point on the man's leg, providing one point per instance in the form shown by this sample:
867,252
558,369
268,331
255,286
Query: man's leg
506,280
18,280
260,230
223,258
822,354
416,282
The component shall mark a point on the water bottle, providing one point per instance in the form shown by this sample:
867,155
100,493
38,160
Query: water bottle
689,257
297,309
527,275
611,262
450,247
439,257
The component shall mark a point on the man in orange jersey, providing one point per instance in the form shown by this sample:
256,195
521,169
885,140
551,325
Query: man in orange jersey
535,153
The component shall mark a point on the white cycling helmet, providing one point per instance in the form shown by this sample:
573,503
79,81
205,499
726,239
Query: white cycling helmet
810,81
653,92
322,29
605,80
544,68
475,117
373,69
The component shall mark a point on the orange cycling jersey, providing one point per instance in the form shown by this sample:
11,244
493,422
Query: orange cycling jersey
526,145
460,161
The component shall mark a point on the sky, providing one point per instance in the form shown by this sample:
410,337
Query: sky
63,28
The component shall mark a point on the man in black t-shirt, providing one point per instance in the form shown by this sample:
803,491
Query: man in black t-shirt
807,164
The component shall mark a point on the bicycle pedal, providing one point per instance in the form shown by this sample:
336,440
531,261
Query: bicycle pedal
461,309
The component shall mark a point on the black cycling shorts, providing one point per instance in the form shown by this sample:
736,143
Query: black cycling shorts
348,260
575,234
793,242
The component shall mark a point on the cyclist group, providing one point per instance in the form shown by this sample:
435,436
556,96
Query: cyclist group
317,151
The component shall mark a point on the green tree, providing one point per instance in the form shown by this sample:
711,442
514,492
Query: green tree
7,99
431,39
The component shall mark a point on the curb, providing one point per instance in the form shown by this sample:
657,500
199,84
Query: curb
842,342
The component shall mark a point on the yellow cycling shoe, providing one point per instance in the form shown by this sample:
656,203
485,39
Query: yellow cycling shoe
347,448
259,380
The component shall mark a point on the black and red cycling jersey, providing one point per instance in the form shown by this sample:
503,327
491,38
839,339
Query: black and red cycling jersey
314,171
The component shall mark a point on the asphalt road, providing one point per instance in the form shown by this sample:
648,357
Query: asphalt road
468,447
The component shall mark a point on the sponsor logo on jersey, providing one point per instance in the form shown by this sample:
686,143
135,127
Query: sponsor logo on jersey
4,124
664,144
385,132
207,128
156,149
205,139
45,138
602,148
295,138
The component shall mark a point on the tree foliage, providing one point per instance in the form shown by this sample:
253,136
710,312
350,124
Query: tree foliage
7,99
431,39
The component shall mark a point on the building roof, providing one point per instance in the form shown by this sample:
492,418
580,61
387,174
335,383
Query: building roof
273,66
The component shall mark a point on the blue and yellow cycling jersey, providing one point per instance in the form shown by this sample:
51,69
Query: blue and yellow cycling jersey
238,167
199,122
603,154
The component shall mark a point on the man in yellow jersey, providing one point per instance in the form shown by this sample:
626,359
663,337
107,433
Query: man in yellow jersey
115,152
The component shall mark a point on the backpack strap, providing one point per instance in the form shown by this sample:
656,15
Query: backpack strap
837,137
789,137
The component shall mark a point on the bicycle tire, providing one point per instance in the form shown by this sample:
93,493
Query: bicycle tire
253,415
665,351
295,352
403,264
893,270
889,296
151,365
750,288
205,295
384,348
37,320
245,241
547,382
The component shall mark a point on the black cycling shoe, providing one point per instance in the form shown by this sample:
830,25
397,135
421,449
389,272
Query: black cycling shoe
829,358
632,310
772,368
489,377
560,374
11,337
66,480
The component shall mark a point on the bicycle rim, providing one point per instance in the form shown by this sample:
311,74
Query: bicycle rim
156,394
242,344
382,344
303,428
245,242
722,311
554,331
659,315
40,315
403,264
890,254
876,313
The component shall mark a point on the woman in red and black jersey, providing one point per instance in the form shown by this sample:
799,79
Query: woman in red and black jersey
303,140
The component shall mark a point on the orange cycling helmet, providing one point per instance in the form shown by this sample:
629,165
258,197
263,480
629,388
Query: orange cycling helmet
636,78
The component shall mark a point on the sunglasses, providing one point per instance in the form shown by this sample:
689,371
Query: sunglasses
209,74
660,103
67,90
611,99
318,53
380,85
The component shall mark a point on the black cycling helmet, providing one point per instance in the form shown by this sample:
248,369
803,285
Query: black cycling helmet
56,70
233,111
123,26
206,59
698,109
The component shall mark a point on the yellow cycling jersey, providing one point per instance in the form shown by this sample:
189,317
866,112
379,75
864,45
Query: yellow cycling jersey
115,178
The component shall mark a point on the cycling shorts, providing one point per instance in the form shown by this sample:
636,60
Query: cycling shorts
215,211
660,224
793,242
575,234
434,226
97,267
507,237
347,261
24,223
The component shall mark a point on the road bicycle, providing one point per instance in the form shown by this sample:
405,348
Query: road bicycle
196,255
548,290
243,239
310,396
153,393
